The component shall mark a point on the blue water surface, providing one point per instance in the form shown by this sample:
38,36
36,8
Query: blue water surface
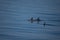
15,13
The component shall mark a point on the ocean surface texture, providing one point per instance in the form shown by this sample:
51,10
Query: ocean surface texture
14,16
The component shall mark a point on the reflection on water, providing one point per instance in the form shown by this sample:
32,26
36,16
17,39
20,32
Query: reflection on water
14,24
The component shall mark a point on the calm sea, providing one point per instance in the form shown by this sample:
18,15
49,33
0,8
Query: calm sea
15,13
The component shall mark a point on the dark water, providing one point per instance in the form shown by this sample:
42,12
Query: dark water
15,13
